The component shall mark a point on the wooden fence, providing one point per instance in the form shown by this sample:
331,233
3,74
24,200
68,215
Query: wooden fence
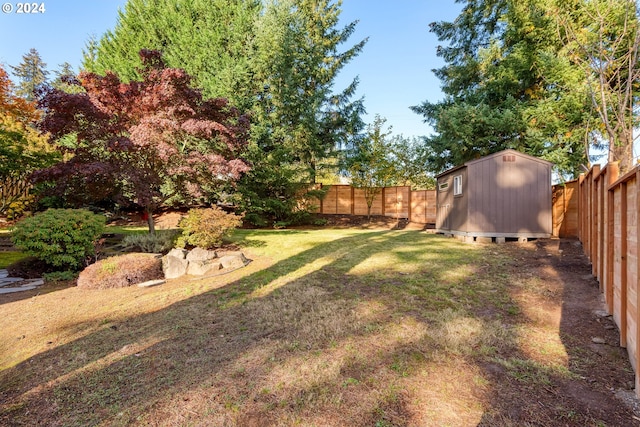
565,209
395,202
608,229
13,189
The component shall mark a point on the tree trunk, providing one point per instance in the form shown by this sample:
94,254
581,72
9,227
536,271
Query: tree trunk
150,222
621,150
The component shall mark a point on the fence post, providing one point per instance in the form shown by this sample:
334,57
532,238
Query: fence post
409,201
581,216
623,265
637,352
384,200
593,227
602,229
612,175
353,200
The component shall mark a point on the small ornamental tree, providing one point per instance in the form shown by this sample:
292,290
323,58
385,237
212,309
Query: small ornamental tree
367,162
22,149
144,141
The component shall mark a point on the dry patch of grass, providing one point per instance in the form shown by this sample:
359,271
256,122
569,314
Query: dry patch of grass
323,328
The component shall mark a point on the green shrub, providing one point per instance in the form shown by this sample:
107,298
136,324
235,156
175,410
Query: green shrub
62,238
321,222
121,271
206,228
159,242
60,276
19,208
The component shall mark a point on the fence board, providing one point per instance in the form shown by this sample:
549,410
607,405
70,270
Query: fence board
360,203
396,202
608,229
565,209
423,206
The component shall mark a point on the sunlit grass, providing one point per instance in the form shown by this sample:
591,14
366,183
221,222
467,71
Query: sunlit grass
323,327
126,229
9,257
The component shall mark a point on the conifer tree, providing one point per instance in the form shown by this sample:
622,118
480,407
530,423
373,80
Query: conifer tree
507,84
31,73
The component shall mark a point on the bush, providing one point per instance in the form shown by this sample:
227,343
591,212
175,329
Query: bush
62,238
121,271
60,276
19,208
205,228
159,242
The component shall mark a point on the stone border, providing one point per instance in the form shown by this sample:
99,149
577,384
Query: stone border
201,263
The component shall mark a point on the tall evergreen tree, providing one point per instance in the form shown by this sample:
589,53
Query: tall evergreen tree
209,39
506,85
31,73
298,58
65,75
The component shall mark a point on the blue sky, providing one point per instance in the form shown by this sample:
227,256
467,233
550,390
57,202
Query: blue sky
394,68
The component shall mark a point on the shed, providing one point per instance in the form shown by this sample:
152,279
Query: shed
503,195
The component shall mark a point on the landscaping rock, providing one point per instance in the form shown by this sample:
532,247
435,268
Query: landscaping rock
231,262
174,266
150,283
178,253
200,268
201,262
199,254
19,289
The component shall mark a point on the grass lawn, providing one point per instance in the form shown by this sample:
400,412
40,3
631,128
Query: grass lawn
126,229
325,327
9,257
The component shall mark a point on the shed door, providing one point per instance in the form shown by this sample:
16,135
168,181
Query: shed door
443,217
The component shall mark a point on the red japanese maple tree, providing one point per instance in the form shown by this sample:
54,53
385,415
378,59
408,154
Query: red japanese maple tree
148,140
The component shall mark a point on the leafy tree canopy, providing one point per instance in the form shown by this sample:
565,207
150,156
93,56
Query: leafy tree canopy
143,141
22,149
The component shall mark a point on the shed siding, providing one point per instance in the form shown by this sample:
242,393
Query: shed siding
505,193
452,210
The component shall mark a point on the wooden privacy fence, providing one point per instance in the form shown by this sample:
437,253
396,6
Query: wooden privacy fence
396,202
13,189
608,230
565,209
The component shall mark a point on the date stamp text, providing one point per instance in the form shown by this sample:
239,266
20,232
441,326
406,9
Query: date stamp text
24,8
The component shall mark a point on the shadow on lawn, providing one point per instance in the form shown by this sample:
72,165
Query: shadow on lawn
568,380
264,351
138,367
